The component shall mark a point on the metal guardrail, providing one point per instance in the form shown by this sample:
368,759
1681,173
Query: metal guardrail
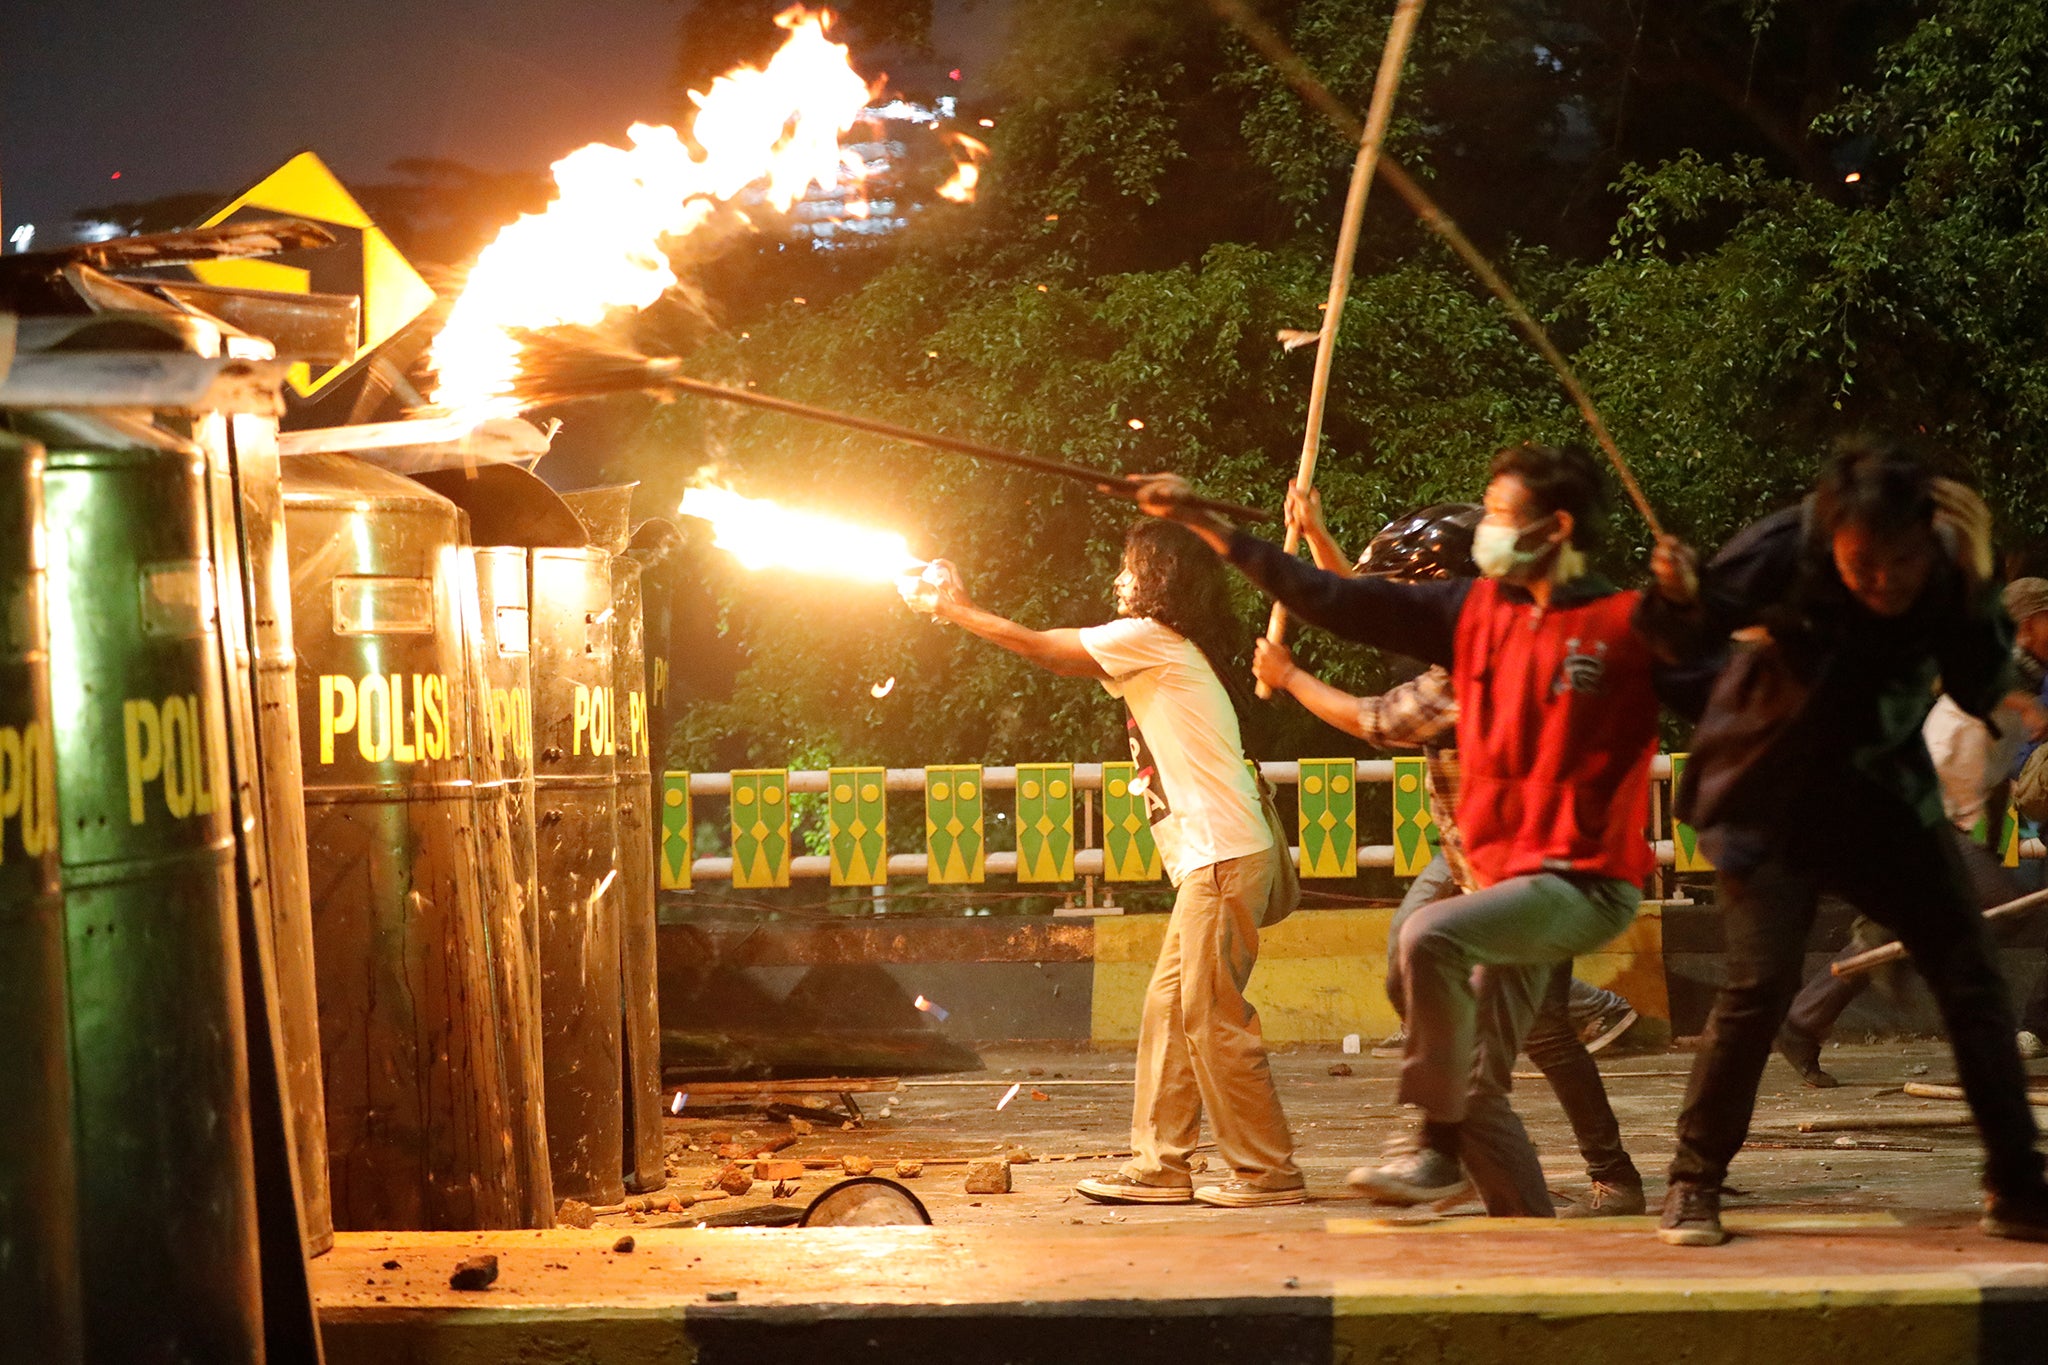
1088,855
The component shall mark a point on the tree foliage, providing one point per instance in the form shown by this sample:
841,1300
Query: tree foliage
1158,205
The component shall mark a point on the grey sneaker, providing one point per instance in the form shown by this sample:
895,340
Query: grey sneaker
1124,1189
1692,1216
1393,1045
1607,1201
2031,1048
1423,1176
1243,1194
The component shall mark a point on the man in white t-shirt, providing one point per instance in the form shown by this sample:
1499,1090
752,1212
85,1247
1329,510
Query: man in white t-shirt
1199,1044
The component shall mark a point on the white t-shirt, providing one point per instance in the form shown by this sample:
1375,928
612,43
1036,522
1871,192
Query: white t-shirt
1969,757
1204,805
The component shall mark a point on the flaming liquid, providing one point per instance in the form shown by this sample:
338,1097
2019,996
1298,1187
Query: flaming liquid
764,535
966,170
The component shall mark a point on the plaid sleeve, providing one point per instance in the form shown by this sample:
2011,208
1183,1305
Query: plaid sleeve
1418,712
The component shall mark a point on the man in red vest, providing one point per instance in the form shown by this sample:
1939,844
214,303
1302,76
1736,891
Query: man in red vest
1557,727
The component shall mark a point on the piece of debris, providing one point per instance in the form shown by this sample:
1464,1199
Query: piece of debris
1008,1095
1293,338
391,1265
1340,1068
1351,1044
782,1189
1040,1095
780,1169
478,1272
674,1205
624,1244
802,1127
574,1213
909,1170
722,1296
1034,1071
857,1165
1017,1156
734,1180
988,1177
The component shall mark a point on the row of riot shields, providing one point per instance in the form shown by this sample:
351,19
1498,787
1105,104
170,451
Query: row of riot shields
478,796
326,882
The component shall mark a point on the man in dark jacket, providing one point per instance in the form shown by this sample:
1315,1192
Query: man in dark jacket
1557,726
1809,773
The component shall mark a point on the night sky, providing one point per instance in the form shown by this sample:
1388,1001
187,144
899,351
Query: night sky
208,95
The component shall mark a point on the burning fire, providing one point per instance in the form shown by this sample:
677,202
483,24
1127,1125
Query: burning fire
966,171
762,535
598,246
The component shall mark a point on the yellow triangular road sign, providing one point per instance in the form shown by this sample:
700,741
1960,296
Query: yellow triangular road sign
393,293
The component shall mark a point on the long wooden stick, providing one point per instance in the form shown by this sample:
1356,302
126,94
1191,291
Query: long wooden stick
1892,952
1311,88
1121,486
1377,116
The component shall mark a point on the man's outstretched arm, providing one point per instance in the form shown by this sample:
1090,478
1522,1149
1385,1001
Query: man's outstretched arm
1416,619
1056,651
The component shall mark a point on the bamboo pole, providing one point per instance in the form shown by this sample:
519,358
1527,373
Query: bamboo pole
1377,116
668,377
1261,36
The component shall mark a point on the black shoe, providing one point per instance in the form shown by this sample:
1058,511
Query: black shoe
1803,1053
1692,1216
2021,1217
1607,1029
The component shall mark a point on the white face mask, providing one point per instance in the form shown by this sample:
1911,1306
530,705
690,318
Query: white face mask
1497,549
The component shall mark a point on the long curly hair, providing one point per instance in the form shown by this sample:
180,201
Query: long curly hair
1178,581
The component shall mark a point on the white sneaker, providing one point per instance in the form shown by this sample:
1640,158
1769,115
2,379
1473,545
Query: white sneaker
2031,1047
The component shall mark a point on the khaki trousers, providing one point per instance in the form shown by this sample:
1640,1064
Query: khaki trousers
1199,1045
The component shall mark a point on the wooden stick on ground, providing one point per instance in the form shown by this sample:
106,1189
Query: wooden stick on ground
1854,1123
1406,12
1261,35
1924,1090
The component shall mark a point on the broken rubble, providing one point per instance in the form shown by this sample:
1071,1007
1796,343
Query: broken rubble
988,1177
477,1272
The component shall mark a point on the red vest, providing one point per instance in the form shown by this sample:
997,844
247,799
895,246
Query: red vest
1557,723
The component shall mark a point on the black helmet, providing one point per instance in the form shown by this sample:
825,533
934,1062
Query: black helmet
1435,542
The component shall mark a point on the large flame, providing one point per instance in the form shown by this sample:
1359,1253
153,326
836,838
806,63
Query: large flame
762,535
599,245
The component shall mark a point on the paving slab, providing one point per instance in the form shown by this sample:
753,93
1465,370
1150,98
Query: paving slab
1850,1246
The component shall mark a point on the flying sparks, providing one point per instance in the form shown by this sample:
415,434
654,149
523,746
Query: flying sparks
763,535
599,245
881,690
